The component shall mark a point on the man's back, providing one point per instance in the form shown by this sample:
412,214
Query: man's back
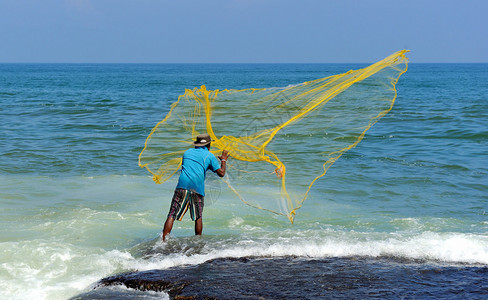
196,162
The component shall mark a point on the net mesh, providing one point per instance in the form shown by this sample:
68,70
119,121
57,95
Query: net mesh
281,140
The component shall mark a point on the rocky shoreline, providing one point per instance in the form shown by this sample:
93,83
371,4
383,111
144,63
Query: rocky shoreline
298,278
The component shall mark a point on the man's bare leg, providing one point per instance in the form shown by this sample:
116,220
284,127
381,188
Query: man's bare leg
168,225
198,227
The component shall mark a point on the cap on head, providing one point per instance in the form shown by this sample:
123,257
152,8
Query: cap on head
202,140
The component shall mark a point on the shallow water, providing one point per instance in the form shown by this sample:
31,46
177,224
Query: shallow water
75,207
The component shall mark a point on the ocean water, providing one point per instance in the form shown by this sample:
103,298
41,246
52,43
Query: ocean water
411,198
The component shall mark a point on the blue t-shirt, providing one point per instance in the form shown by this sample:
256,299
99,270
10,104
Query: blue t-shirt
196,162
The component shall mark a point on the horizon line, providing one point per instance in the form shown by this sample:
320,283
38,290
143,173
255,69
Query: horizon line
225,63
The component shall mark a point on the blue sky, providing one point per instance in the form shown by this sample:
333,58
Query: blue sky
235,31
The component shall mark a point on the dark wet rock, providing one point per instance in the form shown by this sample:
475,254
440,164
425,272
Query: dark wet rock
144,281
299,278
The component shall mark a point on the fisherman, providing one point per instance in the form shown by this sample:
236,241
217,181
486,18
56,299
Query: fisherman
190,190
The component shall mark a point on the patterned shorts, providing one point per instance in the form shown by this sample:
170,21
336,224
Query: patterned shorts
184,200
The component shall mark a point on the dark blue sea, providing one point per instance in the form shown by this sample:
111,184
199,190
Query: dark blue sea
402,215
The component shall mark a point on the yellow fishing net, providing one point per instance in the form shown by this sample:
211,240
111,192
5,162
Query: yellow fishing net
281,140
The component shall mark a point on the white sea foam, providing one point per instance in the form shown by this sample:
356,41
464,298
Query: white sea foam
40,270
63,245
429,246
113,292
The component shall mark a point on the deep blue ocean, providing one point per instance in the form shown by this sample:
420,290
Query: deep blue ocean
402,215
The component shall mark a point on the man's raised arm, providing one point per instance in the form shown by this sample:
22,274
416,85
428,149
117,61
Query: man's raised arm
223,163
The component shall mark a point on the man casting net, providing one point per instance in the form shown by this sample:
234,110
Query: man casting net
270,133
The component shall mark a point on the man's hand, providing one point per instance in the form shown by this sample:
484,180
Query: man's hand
224,155
223,163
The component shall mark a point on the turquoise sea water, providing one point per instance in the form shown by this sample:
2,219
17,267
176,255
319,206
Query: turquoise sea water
75,206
